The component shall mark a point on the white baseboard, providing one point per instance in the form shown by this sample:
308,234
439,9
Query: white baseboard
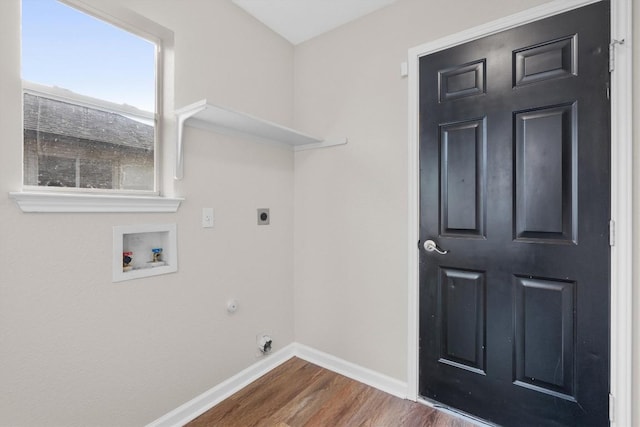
207,400
210,398
355,372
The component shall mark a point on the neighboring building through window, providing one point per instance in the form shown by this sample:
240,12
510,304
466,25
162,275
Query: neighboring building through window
89,102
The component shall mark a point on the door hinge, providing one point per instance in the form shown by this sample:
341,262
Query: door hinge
612,53
612,402
612,232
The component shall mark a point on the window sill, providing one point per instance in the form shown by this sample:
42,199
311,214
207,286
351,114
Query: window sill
33,201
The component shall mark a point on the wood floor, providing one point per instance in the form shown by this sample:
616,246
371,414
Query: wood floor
298,393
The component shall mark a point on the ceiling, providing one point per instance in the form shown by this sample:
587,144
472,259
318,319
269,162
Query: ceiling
301,20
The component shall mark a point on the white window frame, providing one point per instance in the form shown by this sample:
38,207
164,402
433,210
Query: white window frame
161,199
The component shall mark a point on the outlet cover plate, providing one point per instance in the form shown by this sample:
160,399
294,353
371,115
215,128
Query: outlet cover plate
263,216
207,217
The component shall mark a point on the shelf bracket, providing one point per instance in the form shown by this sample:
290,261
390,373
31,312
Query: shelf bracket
183,116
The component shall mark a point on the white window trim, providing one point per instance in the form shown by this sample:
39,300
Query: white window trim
42,199
45,201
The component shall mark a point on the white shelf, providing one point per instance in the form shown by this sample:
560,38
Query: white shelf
227,121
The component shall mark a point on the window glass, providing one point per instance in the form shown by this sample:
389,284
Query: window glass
89,101
56,171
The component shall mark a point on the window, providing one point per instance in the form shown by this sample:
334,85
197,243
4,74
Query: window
89,94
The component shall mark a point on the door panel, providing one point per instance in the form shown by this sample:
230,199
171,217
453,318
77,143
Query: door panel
514,177
545,194
544,335
462,80
462,304
548,60
462,164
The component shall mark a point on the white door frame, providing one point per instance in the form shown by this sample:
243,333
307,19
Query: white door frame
621,190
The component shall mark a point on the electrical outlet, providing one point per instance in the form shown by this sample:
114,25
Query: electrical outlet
263,216
207,217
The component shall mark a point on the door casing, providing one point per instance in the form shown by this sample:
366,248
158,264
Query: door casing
621,191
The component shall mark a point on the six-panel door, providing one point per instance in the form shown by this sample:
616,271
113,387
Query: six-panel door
514,157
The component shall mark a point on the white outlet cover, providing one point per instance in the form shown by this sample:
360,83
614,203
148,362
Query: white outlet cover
207,217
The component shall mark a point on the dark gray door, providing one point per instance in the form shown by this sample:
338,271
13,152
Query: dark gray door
515,185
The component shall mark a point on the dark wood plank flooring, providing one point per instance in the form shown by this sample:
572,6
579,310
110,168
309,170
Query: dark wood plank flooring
299,393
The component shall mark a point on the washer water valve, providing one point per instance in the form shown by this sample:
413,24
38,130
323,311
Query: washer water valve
264,343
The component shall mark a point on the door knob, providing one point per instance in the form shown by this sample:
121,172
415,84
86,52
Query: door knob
430,246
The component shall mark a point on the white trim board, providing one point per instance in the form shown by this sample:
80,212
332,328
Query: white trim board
207,400
621,190
210,398
351,370
59,202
